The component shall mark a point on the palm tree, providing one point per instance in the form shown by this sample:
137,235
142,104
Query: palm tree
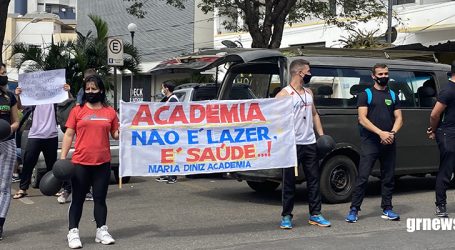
88,51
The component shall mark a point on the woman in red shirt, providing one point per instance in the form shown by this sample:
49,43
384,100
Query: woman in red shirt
91,122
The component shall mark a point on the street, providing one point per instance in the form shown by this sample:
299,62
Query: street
217,213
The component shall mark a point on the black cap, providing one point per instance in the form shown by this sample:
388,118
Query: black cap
453,67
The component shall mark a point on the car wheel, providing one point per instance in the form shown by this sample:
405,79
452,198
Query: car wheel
37,174
125,179
263,187
338,179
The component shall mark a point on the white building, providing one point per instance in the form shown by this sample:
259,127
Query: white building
421,21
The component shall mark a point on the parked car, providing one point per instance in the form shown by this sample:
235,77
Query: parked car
336,82
40,168
209,91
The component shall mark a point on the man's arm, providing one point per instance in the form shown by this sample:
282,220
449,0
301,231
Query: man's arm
366,123
398,120
435,116
316,119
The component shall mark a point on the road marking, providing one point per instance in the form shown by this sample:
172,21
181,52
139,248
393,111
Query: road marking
24,200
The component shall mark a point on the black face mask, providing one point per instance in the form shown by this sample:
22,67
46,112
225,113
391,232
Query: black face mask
306,78
93,97
3,80
382,81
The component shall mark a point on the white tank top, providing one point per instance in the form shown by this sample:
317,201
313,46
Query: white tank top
303,117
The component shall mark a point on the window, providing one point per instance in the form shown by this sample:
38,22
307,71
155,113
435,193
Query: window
339,87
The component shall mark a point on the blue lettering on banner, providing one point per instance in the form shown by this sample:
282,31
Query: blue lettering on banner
239,135
194,167
153,169
229,165
170,138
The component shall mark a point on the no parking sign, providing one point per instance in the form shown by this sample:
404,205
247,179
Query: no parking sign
114,52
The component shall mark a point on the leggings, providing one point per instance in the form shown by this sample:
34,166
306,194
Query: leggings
7,161
85,177
33,149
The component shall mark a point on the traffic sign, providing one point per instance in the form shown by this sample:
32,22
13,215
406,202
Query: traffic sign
114,52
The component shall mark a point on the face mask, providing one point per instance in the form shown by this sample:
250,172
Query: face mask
163,92
3,80
93,97
306,78
382,81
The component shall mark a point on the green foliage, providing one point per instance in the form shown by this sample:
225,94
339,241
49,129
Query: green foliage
88,51
363,39
265,19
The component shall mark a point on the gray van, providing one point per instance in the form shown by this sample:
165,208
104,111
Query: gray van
336,82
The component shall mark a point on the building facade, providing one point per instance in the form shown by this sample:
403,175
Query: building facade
418,21
165,32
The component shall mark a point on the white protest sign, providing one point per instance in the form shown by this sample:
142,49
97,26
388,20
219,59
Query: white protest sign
43,87
206,137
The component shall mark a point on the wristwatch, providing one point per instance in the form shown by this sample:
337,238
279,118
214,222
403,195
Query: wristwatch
393,132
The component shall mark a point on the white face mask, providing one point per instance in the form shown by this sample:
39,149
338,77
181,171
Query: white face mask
163,92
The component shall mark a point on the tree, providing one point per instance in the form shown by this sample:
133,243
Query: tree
88,51
3,15
265,19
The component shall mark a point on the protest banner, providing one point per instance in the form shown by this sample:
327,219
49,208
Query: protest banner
159,139
43,87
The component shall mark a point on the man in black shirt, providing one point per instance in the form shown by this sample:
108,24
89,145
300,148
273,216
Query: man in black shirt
379,120
442,127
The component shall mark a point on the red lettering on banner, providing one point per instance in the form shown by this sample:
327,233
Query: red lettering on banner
255,113
142,115
223,153
229,115
193,113
167,155
213,113
192,155
178,115
157,114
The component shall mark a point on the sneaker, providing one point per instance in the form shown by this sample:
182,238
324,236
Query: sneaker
161,179
15,179
89,196
319,220
286,222
74,241
352,216
389,214
171,180
441,211
64,197
103,236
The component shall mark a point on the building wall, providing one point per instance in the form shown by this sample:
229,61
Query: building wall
164,32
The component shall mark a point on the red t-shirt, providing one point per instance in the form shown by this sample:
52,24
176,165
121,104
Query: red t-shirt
92,127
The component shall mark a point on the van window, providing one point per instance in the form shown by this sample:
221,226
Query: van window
261,85
339,87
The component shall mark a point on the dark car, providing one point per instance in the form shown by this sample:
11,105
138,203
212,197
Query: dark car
209,91
336,82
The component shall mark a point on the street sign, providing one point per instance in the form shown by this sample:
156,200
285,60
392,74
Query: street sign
114,52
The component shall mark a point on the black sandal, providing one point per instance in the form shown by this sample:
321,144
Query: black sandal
19,194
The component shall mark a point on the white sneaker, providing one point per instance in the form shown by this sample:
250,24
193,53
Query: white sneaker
103,236
74,241
64,197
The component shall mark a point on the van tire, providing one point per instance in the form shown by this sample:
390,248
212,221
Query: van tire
37,174
264,186
338,179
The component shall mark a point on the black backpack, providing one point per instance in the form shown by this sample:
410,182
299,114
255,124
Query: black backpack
63,111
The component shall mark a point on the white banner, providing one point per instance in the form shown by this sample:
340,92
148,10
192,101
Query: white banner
206,137
43,87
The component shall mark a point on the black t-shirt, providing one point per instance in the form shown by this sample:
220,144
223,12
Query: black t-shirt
447,96
380,110
5,108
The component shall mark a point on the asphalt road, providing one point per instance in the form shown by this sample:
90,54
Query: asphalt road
225,214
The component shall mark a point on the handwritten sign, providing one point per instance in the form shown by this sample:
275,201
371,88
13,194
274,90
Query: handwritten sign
43,87
206,137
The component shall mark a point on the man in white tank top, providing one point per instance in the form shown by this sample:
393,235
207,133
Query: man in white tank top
306,120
